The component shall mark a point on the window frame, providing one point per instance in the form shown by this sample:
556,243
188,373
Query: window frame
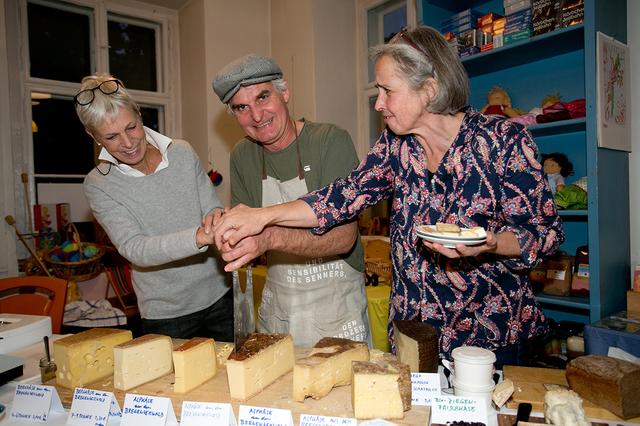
366,88
166,97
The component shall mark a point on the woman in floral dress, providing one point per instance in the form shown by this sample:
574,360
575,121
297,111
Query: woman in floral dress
440,161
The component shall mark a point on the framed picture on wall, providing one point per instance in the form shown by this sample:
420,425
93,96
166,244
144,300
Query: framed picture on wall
613,93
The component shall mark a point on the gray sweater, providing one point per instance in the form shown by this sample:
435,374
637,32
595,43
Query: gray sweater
152,221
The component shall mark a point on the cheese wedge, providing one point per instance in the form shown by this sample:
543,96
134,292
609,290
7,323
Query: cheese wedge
328,365
261,360
447,227
194,363
416,345
380,390
141,360
87,356
502,392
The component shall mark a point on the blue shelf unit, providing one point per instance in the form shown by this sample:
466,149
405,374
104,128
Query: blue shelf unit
563,62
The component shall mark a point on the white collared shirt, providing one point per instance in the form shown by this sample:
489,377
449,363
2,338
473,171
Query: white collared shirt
156,139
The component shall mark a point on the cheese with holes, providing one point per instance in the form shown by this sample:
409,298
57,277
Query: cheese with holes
328,365
141,360
381,389
416,345
87,356
261,360
194,363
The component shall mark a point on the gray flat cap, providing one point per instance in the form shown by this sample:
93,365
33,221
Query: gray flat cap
245,71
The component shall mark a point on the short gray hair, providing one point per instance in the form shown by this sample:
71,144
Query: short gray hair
436,59
103,106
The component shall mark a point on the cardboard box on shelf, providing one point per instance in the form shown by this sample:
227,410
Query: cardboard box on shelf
559,275
633,304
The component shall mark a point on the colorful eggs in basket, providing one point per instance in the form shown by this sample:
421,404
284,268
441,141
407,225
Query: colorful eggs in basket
70,251
90,251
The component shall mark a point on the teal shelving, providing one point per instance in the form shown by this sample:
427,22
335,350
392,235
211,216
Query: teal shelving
564,62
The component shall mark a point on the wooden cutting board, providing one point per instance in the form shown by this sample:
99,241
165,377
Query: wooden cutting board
529,387
277,395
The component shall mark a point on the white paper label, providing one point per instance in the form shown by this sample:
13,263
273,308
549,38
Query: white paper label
315,420
143,410
32,403
206,413
458,408
261,416
93,408
424,386
555,274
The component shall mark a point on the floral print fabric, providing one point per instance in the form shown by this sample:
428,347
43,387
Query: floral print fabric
489,177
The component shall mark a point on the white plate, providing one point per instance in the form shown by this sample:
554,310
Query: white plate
451,242
478,233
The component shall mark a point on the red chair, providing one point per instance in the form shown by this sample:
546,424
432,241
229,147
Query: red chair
35,295
119,277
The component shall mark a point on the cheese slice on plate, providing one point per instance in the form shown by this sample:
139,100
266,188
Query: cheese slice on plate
87,356
142,360
194,362
328,365
380,390
261,360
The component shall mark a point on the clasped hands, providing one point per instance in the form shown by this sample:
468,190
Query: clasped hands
239,234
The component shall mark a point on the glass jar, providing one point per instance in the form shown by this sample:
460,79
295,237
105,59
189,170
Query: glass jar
47,370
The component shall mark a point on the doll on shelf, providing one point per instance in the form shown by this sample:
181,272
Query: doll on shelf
556,167
499,103
530,118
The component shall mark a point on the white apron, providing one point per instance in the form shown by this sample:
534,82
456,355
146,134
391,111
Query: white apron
309,298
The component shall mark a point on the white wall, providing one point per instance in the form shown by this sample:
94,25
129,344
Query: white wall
8,265
212,34
633,41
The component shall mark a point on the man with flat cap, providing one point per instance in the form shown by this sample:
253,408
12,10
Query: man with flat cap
315,283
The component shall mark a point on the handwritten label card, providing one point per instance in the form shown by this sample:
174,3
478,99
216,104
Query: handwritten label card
424,386
93,408
207,413
261,416
458,408
315,420
32,403
146,410
377,422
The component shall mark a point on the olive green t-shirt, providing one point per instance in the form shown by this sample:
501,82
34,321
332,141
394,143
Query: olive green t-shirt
326,152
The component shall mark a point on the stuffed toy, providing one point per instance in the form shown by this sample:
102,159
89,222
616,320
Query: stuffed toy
499,103
573,196
530,118
556,167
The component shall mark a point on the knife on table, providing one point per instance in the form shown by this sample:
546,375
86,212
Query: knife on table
243,321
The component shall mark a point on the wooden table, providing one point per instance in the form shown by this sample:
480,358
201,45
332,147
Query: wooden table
277,395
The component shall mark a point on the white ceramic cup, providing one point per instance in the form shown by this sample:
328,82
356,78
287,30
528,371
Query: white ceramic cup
472,366
483,393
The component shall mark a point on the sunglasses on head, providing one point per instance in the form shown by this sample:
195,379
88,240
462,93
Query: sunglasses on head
403,36
86,96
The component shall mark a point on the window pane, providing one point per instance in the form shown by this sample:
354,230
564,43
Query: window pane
151,117
59,42
132,53
383,22
60,144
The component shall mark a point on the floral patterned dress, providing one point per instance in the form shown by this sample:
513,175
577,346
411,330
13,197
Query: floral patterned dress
489,177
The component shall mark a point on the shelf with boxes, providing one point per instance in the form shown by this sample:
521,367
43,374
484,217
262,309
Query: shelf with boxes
558,57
